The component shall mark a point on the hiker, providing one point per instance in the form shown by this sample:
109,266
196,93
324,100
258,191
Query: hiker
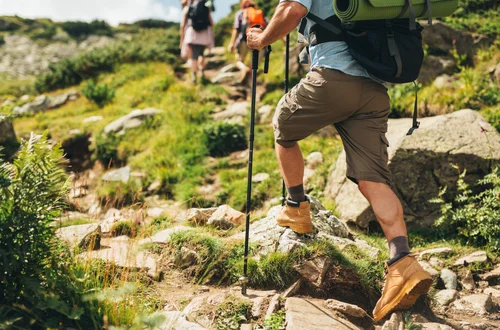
338,90
246,17
185,49
197,34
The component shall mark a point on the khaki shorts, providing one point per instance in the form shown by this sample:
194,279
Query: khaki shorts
242,51
357,106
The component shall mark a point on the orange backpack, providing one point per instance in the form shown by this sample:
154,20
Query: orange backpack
252,17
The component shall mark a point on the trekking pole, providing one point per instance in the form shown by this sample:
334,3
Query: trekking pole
255,64
287,81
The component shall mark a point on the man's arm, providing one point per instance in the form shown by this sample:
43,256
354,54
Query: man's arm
286,18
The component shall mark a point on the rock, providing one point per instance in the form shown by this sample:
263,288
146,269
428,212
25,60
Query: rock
164,236
274,305
226,77
292,289
93,119
92,241
24,98
132,120
227,214
75,235
123,254
260,177
442,250
314,271
200,216
185,258
217,51
7,103
199,309
436,262
445,297
456,138
496,74
61,99
215,62
444,81
468,281
311,315
155,186
345,308
176,320
155,212
38,105
266,113
434,326
493,275
449,279
396,322
314,159
257,307
435,66
234,111
428,268
477,303
495,293
229,68
476,257
121,174
112,216
8,139
269,237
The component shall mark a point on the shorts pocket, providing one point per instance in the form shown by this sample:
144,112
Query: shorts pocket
287,105
384,145
315,78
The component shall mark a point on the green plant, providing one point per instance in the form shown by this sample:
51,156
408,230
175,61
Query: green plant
79,29
106,149
474,217
232,313
46,32
98,94
223,138
276,321
37,289
127,228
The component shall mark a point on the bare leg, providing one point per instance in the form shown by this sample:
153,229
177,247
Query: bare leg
291,163
243,68
201,61
194,70
387,208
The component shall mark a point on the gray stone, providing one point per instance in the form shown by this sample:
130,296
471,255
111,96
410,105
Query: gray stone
476,257
227,214
92,119
260,177
477,303
60,100
493,275
292,289
74,235
233,111
495,293
444,81
164,236
436,262
185,258
345,308
496,74
38,105
442,250
449,279
24,98
445,297
434,326
132,120
226,77
468,281
200,216
435,66
395,322
274,305
257,307
266,113
121,174
177,320
313,271
455,138
311,315
428,268
229,68
314,159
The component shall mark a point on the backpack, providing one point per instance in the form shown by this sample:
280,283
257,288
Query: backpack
199,15
388,49
252,17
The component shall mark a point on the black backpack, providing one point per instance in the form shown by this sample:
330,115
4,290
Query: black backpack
390,50
199,15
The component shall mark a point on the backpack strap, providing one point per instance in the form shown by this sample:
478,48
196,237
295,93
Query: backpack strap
416,123
324,24
428,8
393,48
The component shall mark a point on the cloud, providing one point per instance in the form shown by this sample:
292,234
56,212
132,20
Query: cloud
113,11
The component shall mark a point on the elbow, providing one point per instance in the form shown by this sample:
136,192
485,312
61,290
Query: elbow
294,11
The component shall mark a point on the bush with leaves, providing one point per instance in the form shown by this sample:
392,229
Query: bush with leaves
223,138
36,285
101,95
474,217
79,29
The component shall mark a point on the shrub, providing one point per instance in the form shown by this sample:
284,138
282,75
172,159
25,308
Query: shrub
127,228
474,217
35,273
469,6
78,29
45,32
223,138
2,41
98,94
154,24
106,150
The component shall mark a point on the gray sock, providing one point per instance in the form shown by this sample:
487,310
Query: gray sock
399,246
297,193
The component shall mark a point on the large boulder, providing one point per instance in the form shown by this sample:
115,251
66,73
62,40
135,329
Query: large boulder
422,164
38,105
132,120
8,139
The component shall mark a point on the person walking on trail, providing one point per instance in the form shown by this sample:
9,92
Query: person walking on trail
338,90
197,34
246,17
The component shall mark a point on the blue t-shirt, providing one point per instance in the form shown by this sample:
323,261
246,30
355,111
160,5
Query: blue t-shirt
334,54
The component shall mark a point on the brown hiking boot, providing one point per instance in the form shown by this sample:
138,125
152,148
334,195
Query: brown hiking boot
405,281
297,216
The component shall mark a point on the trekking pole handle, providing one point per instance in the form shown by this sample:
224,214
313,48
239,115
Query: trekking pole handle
255,59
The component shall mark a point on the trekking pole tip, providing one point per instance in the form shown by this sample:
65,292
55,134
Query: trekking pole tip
243,281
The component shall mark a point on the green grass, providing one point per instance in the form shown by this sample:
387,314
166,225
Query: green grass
73,222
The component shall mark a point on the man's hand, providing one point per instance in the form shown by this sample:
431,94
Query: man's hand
254,38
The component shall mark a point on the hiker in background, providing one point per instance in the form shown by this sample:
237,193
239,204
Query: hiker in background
185,49
245,18
197,34
338,90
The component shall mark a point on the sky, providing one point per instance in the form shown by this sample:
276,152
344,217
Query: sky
113,11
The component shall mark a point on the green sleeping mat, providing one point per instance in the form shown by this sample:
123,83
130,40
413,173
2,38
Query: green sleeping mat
361,10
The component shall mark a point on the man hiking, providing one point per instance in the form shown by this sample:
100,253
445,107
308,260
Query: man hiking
338,90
